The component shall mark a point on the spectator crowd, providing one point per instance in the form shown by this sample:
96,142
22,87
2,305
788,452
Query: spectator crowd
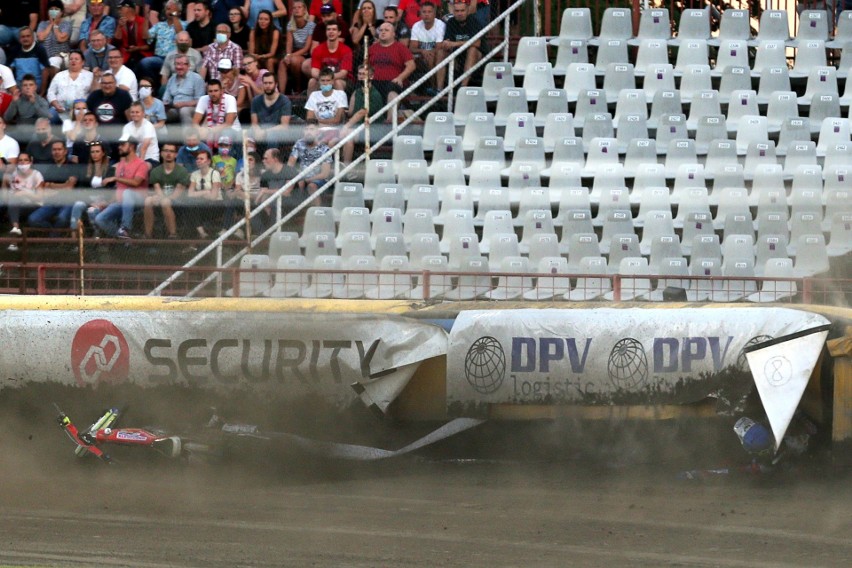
109,108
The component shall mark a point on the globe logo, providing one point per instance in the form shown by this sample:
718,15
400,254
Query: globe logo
485,365
628,364
742,362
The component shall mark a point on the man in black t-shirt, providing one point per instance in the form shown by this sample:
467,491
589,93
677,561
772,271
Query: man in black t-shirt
460,29
202,30
110,104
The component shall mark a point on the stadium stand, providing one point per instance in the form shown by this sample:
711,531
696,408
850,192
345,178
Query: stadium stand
713,145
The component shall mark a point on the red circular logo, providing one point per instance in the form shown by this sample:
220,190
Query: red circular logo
99,353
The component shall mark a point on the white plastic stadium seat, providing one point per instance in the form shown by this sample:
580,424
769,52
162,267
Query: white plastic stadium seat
252,280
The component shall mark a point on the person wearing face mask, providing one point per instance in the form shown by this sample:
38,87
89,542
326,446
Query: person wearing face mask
183,45
225,163
155,110
328,107
39,146
55,35
222,48
25,185
95,56
190,149
99,19
163,34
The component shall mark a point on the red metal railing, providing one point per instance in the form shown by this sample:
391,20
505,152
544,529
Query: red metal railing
110,279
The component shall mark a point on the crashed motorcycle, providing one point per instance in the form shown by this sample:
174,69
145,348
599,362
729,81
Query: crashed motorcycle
105,432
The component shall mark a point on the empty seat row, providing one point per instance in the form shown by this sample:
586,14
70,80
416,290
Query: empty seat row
694,24
362,277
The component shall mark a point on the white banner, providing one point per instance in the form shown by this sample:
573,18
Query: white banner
605,356
298,353
781,369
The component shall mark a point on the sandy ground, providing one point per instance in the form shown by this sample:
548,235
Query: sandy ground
540,507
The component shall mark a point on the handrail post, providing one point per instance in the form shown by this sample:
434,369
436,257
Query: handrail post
807,290
451,68
537,18
637,13
219,271
616,288
426,284
81,260
507,28
41,275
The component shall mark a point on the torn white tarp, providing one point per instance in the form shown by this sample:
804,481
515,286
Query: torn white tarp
381,389
292,353
356,452
606,355
781,369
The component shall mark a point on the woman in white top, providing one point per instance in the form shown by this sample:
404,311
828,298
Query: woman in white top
68,86
204,193
246,181
141,128
26,187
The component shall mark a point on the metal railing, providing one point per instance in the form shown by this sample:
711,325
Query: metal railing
275,199
107,279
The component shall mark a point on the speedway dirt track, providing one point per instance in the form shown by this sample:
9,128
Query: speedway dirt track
427,510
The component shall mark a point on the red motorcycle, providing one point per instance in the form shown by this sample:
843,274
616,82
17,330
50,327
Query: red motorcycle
104,432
